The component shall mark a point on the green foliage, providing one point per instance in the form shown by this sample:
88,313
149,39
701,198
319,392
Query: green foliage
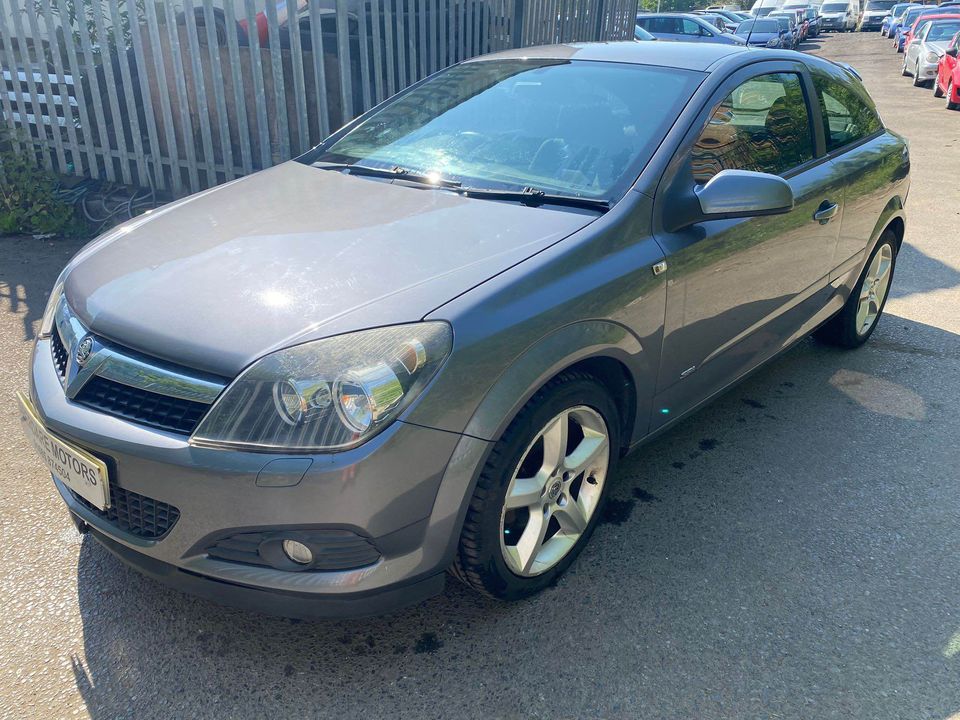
680,5
29,202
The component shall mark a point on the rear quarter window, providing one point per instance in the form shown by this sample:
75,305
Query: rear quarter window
849,114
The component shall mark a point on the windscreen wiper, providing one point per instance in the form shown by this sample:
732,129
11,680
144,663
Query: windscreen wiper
527,196
534,197
396,172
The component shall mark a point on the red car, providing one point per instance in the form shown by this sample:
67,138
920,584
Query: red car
947,81
923,19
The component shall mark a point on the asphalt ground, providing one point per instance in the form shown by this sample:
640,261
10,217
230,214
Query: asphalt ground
789,552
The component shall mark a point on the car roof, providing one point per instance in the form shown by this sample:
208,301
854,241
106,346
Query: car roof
688,56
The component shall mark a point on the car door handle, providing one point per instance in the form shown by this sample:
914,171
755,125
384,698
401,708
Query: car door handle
826,212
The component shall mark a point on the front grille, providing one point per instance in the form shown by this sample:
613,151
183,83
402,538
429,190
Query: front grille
135,514
333,549
59,353
142,406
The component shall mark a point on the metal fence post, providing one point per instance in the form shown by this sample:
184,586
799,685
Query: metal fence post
516,29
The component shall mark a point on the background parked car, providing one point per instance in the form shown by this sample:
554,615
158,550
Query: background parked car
764,32
922,56
730,21
873,14
907,22
799,23
686,27
787,25
912,34
812,16
886,25
718,21
839,16
947,81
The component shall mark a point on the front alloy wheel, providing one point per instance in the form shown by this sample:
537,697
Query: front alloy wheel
555,491
541,492
951,105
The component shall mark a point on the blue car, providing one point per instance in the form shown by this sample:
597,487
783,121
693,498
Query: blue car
890,22
764,32
907,18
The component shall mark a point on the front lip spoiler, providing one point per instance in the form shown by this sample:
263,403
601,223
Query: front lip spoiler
303,606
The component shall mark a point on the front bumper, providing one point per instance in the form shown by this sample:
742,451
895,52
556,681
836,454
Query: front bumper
927,71
404,491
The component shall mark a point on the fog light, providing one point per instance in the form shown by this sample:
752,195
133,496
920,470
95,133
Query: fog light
298,552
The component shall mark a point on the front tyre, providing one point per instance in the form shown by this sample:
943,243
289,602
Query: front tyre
542,490
855,323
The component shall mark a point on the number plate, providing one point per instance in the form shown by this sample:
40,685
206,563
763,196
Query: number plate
77,469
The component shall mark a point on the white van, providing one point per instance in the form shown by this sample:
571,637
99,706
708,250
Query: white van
762,8
839,15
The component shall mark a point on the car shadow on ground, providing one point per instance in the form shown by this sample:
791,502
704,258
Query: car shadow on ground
27,274
675,560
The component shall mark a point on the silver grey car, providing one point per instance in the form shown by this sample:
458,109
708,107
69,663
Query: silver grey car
922,56
422,348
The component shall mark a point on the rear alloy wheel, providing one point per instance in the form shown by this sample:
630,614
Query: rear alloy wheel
917,81
854,324
542,490
951,105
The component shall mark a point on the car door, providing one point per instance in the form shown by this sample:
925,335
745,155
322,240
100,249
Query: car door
738,290
863,153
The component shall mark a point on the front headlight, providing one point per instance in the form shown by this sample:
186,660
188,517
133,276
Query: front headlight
932,58
330,394
773,42
50,312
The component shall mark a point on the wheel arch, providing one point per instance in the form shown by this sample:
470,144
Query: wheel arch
604,349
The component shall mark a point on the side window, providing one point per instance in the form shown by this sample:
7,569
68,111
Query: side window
692,28
848,113
763,125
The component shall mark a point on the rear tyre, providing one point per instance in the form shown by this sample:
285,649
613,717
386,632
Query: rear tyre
903,69
855,323
542,490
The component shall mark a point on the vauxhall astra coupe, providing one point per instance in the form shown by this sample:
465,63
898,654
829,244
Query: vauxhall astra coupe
422,348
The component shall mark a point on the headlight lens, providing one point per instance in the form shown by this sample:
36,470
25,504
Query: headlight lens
331,394
932,57
773,42
50,312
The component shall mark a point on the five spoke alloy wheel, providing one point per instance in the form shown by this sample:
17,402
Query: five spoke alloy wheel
860,314
555,490
542,489
873,291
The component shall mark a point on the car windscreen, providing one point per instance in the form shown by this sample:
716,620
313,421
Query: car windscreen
834,7
568,127
759,26
875,5
942,30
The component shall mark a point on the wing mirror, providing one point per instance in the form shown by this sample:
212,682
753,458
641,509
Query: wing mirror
952,52
731,194
744,193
